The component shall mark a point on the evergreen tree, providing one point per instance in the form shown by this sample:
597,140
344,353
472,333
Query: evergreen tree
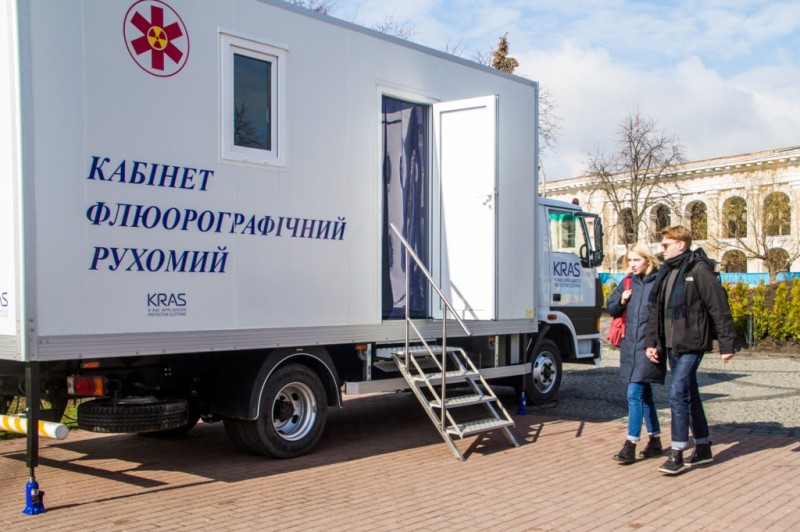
500,58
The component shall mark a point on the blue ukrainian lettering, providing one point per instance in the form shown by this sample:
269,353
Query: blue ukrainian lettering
100,254
190,216
126,209
238,219
323,228
338,228
292,224
218,260
98,213
96,172
138,255
117,258
169,174
199,260
205,175
221,216
186,179
265,225
118,172
206,221
137,177
250,227
155,260
308,228
175,262
148,221
157,256
171,219
151,174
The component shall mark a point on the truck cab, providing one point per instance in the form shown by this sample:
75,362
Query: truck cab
569,297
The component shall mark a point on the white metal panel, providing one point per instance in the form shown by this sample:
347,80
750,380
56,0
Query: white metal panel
465,139
9,292
107,106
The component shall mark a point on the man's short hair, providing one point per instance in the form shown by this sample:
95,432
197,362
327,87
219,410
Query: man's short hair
678,233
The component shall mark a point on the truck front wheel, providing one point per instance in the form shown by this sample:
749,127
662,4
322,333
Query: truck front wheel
544,378
292,415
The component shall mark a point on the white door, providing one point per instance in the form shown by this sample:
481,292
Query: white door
465,185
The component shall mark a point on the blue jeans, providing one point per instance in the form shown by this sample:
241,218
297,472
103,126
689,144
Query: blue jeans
641,405
685,401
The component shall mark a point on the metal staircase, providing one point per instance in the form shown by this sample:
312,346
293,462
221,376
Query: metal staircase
432,371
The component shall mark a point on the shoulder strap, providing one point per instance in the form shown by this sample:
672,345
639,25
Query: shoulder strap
627,282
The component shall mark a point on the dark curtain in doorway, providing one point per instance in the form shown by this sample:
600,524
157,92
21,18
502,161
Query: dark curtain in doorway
405,200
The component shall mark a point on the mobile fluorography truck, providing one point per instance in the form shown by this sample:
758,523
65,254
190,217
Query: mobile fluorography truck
242,211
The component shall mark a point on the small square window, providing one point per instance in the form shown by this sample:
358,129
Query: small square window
252,106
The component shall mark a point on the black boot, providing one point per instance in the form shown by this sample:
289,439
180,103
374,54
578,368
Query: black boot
628,453
701,455
674,463
653,448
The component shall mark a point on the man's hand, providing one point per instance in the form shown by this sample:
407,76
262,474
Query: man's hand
727,358
652,354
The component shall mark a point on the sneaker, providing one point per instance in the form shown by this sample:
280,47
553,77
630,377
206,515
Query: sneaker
653,448
674,463
628,453
701,454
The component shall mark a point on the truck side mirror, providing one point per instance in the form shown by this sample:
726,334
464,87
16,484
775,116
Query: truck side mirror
598,255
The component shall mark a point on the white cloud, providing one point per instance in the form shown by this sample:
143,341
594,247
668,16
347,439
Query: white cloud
723,75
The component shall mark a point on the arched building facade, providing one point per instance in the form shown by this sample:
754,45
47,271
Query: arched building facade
744,210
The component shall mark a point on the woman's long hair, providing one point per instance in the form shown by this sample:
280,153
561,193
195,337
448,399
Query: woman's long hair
643,251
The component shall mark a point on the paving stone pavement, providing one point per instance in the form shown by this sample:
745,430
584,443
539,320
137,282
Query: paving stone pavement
381,466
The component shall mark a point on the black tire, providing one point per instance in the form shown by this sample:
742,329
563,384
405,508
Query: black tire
132,415
544,379
192,417
291,418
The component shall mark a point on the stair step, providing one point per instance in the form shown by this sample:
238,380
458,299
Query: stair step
464,400
458,375
479,425
389,352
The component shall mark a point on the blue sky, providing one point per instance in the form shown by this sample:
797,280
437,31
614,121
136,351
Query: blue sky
723,75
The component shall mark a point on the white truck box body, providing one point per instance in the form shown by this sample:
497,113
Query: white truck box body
77,97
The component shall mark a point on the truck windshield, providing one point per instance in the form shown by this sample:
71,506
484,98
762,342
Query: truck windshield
569,233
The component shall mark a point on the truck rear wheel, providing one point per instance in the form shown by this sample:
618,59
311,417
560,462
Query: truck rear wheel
140,414
291,419
544,378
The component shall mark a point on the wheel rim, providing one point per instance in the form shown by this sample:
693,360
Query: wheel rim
544,372
294,411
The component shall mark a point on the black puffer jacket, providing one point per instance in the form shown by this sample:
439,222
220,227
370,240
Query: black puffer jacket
707,312
634,366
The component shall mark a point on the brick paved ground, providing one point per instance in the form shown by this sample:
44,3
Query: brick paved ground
381,466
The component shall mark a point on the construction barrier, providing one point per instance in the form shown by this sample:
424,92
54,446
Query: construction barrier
47,429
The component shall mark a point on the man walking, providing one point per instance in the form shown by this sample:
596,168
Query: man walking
688,307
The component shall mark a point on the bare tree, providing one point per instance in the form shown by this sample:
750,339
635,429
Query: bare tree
640,175
549,121
756,223
325,7
403,30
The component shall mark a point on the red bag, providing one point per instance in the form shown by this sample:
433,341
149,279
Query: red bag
616,332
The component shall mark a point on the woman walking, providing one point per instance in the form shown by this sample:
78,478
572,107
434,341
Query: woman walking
634,366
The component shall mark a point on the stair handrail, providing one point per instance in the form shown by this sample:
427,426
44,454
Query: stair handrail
447,307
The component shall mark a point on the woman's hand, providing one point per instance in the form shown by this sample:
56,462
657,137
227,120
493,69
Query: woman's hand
626,295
